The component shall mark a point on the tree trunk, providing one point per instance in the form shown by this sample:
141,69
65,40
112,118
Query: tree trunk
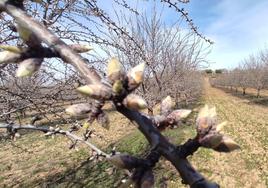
236,89
258,92
244,91
177,99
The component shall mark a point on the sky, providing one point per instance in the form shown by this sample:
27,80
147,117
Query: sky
238,28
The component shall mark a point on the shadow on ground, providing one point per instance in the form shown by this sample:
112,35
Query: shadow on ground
86,174
99,174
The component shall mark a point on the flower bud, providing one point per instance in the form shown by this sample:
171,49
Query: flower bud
135,102
135,76
220,126
8,57
178,115
207,112
24,33
81,48
206,119
115,70
13,49
78,109
124,161
28,67
118,87
96,91
227,145
166,105
211,140
28,36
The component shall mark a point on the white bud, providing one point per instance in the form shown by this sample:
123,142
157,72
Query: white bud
96,91
8,57
135,102
78,109
28,67
227,145
136,76
167,104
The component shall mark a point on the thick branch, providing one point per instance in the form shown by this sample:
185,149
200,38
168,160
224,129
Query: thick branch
65,52
188,148
159,142
42,52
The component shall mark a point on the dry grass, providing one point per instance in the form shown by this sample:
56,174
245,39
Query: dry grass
34,161
248,125
33,158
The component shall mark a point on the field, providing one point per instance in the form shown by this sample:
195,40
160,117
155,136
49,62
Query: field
248,125
36,161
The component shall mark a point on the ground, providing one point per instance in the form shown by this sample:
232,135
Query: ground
248,125
34,161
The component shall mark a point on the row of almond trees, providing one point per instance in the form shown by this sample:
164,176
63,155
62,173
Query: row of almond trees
172,56
252,72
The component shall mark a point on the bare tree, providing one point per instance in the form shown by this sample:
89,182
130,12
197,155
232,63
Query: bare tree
171,54
257,73
251,73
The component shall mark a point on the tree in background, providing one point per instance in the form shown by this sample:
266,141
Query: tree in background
251,73
171,55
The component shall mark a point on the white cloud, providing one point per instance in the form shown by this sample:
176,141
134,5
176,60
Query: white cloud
239,30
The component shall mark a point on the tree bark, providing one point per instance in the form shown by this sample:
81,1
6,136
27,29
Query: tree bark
258,92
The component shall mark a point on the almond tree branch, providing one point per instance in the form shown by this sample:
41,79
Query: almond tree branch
18,109
158,142
52,41
13,128
185,15
42,52
189,147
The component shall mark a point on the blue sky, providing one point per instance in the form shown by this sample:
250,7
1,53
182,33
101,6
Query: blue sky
238,27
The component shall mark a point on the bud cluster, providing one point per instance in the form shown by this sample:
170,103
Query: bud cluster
27,67
169,117
118,88
120,85
210,132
